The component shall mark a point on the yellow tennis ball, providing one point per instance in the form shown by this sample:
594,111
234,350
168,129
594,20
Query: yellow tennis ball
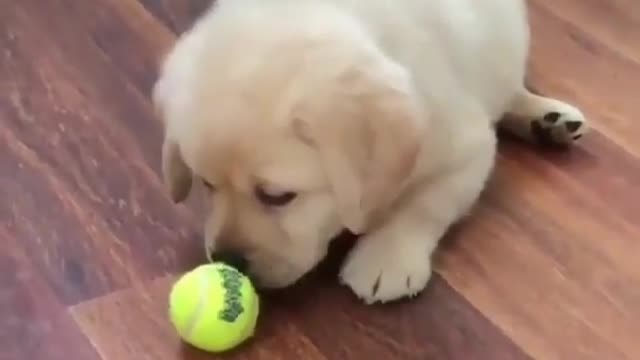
214,307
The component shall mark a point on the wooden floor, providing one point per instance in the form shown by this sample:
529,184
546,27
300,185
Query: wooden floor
547,268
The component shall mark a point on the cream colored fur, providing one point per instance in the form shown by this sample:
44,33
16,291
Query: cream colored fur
378,114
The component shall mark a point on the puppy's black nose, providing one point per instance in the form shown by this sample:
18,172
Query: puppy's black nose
231,258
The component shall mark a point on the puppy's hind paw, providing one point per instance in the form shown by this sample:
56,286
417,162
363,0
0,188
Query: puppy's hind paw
559,128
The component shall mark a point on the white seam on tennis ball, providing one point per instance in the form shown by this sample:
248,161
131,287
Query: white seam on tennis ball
204,290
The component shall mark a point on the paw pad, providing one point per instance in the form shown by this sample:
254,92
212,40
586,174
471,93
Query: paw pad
556,128
552,117
573,126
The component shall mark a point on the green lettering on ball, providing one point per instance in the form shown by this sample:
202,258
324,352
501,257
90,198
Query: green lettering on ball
231,282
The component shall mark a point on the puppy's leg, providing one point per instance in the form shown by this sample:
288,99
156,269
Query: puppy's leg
394,261
544,120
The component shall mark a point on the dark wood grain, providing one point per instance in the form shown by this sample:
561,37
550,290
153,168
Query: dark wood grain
542,274
316,321
439,324
177,15
544,268
33,324
79,158
110,322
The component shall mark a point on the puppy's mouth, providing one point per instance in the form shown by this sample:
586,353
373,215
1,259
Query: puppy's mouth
233,259
329,266
279,276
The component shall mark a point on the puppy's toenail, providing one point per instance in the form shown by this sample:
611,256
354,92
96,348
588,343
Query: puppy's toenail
577,137
573,126
408,282
376,286
552,117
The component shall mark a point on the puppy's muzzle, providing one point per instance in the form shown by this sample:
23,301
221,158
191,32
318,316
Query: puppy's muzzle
231,258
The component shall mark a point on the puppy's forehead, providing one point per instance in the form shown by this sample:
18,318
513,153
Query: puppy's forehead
220,148
243,157
289,164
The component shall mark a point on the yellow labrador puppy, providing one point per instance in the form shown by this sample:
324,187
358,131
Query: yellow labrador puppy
305,117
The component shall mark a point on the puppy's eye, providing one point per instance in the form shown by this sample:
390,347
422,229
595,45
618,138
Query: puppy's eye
274,199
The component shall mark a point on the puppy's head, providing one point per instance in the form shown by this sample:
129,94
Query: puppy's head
297,134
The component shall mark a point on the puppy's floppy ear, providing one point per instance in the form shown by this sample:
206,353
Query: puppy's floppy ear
177,175
175,172
368,130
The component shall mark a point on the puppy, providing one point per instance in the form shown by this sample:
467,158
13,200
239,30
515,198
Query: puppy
306,117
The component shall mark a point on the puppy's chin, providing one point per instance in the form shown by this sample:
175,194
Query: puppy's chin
277,276
283,271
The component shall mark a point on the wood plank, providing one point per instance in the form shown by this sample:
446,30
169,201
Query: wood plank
118,29
80,138
315,320
439,324
33,323
545,261
549,255
594,19
177,15
596,164
110,322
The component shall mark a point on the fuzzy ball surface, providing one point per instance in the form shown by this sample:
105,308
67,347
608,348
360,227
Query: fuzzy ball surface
214,307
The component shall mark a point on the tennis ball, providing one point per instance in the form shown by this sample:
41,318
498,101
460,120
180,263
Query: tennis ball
214,307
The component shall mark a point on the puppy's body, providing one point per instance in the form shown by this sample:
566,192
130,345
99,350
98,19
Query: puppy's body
309,116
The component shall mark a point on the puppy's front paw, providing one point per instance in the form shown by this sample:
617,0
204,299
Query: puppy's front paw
382,270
